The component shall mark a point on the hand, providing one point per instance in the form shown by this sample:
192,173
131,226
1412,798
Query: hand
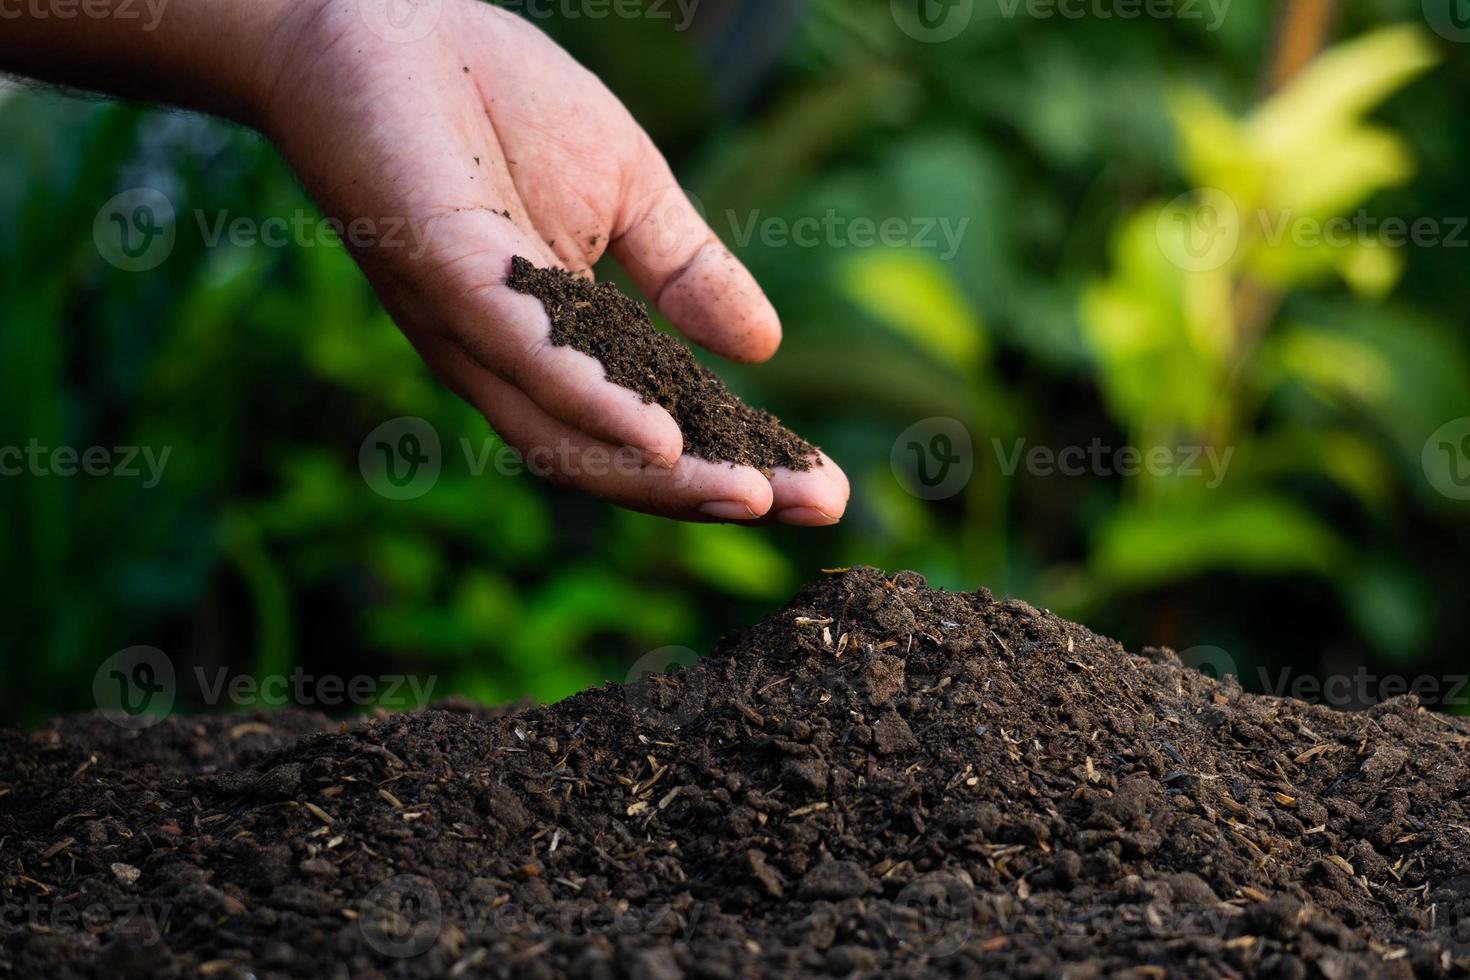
486,141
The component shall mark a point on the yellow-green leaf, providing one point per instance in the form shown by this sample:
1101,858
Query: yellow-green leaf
915,297
1341,84
735,560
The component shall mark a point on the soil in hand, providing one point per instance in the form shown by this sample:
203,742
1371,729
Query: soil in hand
600,320
880,777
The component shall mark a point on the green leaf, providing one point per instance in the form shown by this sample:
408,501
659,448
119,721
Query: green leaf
1159,332
575,604
914,297
1336,365
1389,604
1214,147
1141,548
408,563
1337,87
1338,171
1343,455
486,602
1396,373
735,560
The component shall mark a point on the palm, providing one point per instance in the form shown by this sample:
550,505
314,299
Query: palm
488,141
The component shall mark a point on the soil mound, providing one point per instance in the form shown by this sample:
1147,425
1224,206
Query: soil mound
600,320
880,777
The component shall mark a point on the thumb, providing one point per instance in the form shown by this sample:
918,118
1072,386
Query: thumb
679,263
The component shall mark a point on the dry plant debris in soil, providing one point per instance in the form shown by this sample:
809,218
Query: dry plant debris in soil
880,777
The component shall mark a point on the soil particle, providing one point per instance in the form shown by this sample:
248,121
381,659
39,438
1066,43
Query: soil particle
598,319
770,880
806,778
657,964
884,677
1021,798
891,734
834,880
1383,763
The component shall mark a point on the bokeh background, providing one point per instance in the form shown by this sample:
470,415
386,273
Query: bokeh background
1086,301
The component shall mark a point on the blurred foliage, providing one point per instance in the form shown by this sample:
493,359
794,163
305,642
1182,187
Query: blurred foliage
1087,156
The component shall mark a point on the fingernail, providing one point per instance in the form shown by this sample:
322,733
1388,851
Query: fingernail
656,459
806,517
728,510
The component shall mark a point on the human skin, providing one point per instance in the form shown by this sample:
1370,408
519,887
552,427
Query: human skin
440,117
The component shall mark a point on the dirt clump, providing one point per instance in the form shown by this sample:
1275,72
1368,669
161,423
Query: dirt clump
879,777
600,320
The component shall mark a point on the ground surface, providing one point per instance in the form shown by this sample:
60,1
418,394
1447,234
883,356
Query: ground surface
879,777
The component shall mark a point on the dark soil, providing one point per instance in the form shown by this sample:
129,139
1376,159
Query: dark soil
600,320
879,777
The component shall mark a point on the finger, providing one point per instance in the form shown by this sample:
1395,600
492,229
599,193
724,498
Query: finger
810,498
509,333
678,262
572,386
693,489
